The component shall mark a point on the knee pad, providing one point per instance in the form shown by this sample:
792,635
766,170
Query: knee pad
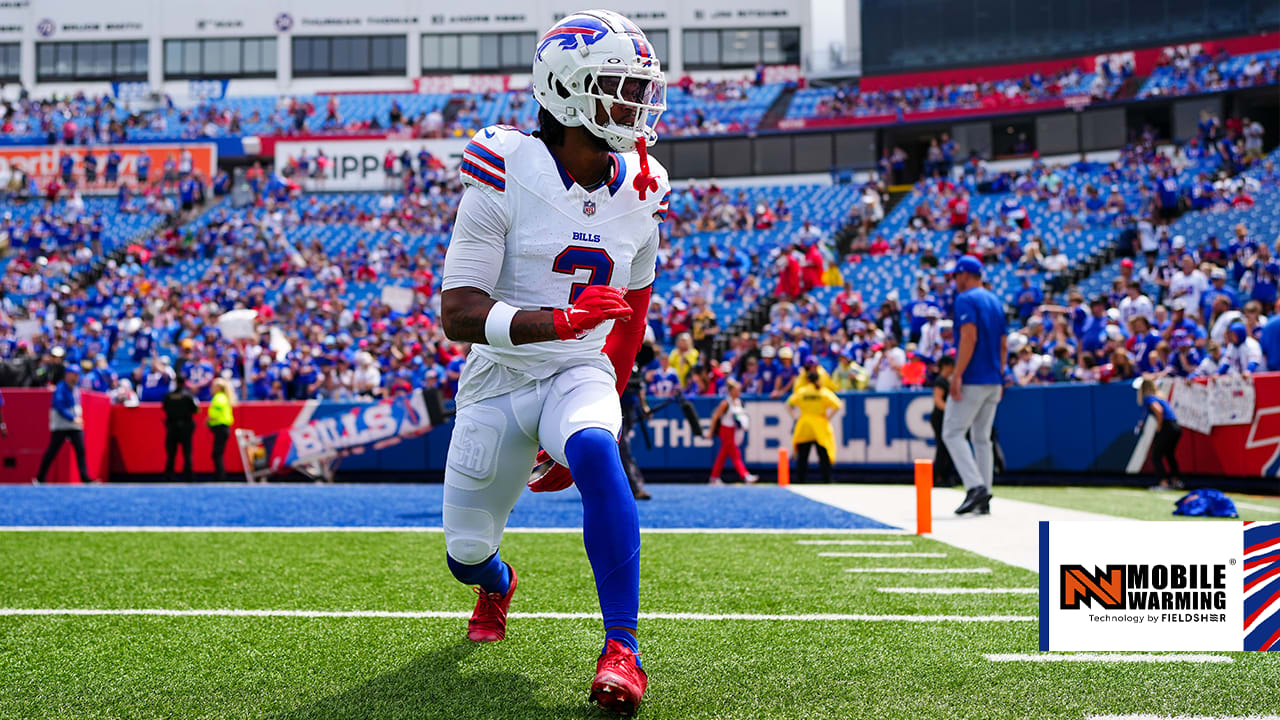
472,462
469,535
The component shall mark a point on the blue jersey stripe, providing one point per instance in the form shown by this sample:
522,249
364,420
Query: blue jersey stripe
483,175
487,155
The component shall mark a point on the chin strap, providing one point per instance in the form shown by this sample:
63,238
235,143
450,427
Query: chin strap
644,182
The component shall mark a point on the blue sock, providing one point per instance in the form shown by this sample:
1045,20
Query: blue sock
626,638
610,529
492,575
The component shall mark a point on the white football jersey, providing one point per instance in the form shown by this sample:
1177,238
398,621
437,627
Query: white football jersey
530,236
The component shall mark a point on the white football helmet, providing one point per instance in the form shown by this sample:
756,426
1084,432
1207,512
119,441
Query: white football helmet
597,59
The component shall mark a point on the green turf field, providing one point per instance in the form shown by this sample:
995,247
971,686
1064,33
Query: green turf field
370,667
1135,503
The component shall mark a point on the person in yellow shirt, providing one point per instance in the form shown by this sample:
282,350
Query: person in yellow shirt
812,407
683,358
824,380
220,419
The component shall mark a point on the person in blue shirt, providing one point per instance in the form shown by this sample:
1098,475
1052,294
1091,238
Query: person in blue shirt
102,377
187,193
1142,343
1093,331
1164,446
113,167
976,384
1218,288
1265,275
143,167
918,313
155,382
66,166
66,423
1028,298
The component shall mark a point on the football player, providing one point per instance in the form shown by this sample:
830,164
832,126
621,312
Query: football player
549,274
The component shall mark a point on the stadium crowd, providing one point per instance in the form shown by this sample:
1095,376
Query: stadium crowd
1187,306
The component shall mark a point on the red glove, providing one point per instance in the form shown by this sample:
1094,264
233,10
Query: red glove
595,305
548,475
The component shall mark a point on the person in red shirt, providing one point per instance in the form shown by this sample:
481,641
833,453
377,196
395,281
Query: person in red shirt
814,265
789,278
958,206
880,246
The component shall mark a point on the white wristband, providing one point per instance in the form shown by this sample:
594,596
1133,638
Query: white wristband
497,325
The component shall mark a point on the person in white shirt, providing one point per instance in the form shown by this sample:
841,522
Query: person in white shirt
887,365
367,378
1189,283
1212,361
1027,366
1136,304
1056,261
1243,354
931,333
549,276
1253,136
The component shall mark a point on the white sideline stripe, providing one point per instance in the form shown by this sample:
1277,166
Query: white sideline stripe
426,529
1184,717
1257,508
960,591
460,614
882,554
1108,658
921,571
853,542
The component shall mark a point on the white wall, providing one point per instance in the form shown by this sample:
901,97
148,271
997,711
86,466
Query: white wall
31,21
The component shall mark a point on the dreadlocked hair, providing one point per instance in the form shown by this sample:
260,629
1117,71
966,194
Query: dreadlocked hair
550,130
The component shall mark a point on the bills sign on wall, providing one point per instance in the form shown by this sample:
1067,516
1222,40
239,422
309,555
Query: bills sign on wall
1151,586
358,164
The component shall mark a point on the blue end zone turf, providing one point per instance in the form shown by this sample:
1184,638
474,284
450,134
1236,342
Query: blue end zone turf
672,506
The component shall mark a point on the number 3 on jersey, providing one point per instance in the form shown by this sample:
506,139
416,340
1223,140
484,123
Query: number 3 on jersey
575,258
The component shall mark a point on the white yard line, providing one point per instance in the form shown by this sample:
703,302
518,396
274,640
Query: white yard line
853,542
1009,534
960,591
1257,508
425,529
922,571
462,615
1113,658
882,554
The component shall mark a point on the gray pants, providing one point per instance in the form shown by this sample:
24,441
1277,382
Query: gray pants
974,414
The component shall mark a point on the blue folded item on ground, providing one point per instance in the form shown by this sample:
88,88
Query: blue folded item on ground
1206,503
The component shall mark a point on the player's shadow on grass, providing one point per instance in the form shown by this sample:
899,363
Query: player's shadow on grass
433,686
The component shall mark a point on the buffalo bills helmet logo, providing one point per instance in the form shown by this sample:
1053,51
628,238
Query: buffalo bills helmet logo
589,208
571,29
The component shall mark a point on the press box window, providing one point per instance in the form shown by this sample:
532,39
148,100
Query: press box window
349,55
507,52
220,58
104,60
741,48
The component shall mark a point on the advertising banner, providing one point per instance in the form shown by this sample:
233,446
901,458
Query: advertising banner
358,164
363,427
42,161
1159,586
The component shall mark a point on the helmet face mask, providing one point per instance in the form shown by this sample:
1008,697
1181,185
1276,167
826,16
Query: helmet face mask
593,62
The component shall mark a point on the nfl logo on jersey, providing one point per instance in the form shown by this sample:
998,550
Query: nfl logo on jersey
589,208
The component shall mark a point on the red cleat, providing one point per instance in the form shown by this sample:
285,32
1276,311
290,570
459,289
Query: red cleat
620,682
489,621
